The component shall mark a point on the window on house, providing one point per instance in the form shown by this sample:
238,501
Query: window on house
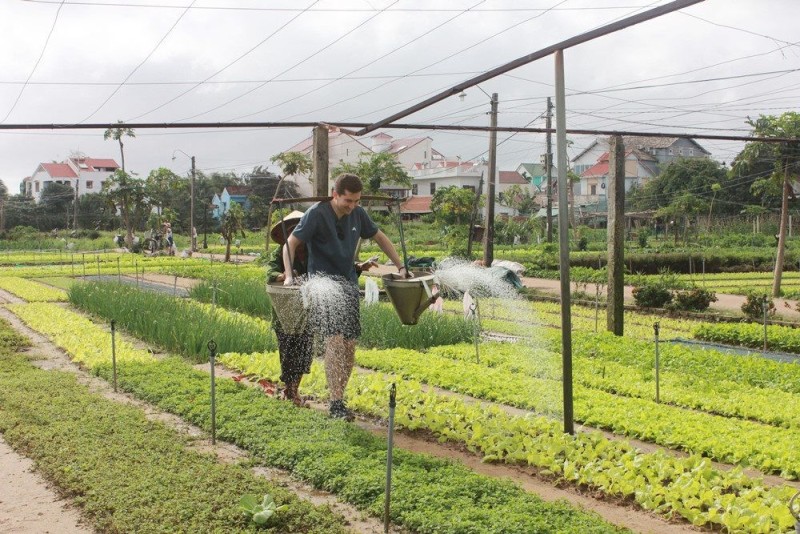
89,184
680,152
433,187
691,152
470,187
347,152
670,152
425,155
415,189
37,186
593,189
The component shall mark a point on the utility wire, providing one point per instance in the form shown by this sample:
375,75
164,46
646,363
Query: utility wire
319,51
242,56
36,65
128,77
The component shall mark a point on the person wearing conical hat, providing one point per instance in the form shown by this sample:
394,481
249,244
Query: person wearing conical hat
295,350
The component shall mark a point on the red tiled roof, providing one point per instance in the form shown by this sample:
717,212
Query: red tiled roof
104,163
598,169
59,170
239,190
416,205
512,177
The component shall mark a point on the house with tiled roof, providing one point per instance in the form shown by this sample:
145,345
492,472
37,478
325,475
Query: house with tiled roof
345,148
645,157
84,174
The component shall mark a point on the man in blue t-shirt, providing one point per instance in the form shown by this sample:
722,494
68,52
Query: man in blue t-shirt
331,231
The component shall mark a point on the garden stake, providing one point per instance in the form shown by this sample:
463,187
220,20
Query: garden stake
114,353
136,270
596,305
175,286
119,272
72,262
83,261
98,266
212,348
765,307
655,330
388,499
477,331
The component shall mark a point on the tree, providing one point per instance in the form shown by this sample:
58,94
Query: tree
452,205
292,163
376,169
695,176
682,208
232,225
517,198
54,205
266,186
715,188
117,134
785,159
127,194
160,185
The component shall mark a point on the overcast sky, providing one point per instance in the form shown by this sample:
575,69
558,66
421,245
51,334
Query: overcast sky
702,70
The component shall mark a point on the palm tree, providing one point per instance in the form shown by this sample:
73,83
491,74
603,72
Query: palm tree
117,134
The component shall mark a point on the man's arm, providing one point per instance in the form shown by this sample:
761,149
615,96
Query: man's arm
388,248
289,251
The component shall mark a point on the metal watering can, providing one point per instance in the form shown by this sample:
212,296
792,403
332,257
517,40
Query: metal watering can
410,296
288,305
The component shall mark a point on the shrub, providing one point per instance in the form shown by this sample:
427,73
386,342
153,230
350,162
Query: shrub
753,306
583,243
652,295
695,299
644,234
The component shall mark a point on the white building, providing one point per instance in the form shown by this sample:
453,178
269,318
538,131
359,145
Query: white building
86,174
344,148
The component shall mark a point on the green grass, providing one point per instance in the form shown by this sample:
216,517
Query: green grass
235,293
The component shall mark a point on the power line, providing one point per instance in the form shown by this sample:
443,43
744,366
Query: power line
317,52
242,56
38,60
128,77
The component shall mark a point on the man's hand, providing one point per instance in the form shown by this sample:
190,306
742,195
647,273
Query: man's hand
366,266
403,272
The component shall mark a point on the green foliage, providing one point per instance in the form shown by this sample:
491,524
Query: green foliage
695,299
453,205
235,293
753,306
689,181
376,170
652,294
381,328
259,511
292,163
128,473
779,338
180,326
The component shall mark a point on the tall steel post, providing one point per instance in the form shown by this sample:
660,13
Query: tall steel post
192,233
563,241
549,171
488,234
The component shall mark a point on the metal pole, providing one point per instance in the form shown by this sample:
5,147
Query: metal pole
549,171
488,233
83,262
765,308
477,331
563,234
212,348
175,286
596,305
214,297
658,366
114,353
119,272
72,263
192,234
98,266
388,498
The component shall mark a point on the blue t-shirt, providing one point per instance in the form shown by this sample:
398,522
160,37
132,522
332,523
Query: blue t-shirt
332,242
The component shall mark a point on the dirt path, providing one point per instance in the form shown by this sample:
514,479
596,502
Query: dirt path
27,503
48,356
